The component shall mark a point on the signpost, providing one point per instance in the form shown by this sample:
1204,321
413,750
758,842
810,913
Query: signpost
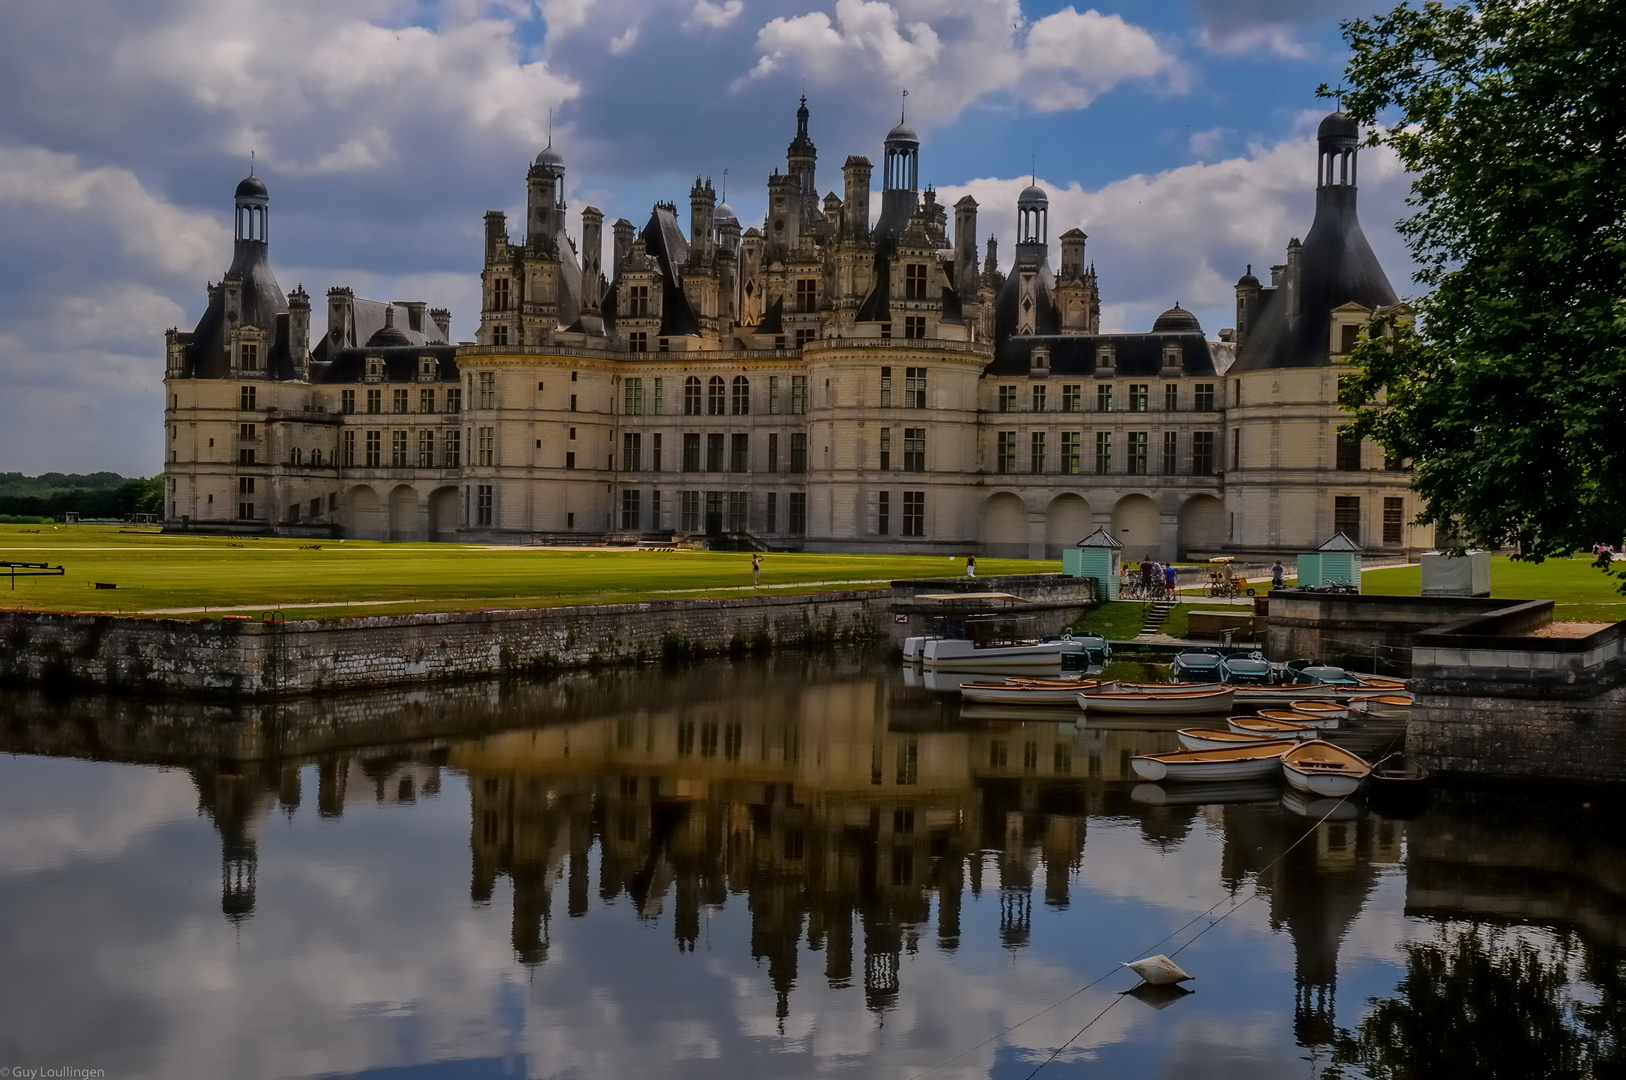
30,569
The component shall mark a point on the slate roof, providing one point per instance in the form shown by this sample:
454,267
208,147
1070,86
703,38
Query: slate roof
1138,356
400,364
663,238
263,303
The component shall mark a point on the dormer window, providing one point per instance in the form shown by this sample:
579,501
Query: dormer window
1039,360
1172,359
426,369
374,369
1106,362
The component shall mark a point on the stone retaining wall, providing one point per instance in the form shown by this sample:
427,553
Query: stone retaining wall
1365,632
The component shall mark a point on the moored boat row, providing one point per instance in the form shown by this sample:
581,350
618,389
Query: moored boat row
1313,766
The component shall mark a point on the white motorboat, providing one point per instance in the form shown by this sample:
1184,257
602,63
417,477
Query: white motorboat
1320,768
952,654
1255,761
1216,739
915,647
989,693
1188,703
1272,728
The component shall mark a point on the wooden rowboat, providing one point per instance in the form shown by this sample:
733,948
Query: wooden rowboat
1320,768
1200,703
989,693
1169,687
1329,709
1271,728
1397,772
1372,682
1293,716
1215,739
1254,761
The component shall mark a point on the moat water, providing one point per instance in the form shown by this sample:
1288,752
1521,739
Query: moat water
761,869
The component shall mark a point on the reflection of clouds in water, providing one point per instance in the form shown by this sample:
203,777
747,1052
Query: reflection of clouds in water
54,811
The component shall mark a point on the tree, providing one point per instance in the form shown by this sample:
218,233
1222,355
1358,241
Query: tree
1508,394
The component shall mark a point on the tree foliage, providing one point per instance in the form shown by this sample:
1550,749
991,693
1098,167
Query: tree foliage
92,495
1509,392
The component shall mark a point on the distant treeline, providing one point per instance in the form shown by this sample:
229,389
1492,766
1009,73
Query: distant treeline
90,495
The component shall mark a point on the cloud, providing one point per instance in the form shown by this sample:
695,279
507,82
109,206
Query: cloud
958,51
1208,144
1251,27
717,16
623,43
562,16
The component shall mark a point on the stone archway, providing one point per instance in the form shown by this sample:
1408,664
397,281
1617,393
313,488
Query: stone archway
404,514
443,514
363,514
1003,527
1202,525
1066,522
1135,524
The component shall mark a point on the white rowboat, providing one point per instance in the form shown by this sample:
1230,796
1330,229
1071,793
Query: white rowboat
1250,762
1201,703
1215,739
1332,710
1320,768
987,693
1271,728
1293,716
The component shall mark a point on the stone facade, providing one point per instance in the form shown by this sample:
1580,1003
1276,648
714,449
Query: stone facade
828,381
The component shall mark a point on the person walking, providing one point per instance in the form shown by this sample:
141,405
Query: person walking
1276,572
970,566
756,568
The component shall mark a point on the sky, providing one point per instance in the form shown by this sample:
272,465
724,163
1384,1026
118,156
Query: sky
1178,135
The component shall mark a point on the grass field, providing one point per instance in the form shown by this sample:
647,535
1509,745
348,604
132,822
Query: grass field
196,576
1582,592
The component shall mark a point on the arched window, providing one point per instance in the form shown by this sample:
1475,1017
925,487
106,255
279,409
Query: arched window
742,396
691,396
716,399
298,455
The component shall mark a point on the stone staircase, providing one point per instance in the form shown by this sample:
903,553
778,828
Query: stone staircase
1155,615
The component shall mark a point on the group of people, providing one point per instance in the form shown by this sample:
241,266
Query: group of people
1151,578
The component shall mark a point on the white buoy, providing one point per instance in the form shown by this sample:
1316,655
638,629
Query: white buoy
1159,970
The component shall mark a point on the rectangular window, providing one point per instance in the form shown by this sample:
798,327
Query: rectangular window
638,301
1039,397
660,397
1236,448
572,402
454,399
1171,453
886,449
886,388
886,331
714,452
245,485
375,401
245,457
482,504
739,453
1007,399
1348,335
350,448
245,399
914,326
773,451
914,513
632,451
570,459
691,453
488,389
1349,452
245,510
1171,397
499,334
739,511
1202,453
914,281
691,396
638,341
487,446
1393,523
1036,453
375,449
1346,516
401,399
633,397
1006,452
773,395
689,511
1103,398
250,353
655,455
245,432
771,524
1138,453
883,512
914,449
798,394
630,516
914,388
1140,397
398,449
347,400
654,510
1072,397
426,401
1202,397
798,452
798,513
452,454
807,295
1103,453
499,294
1069,452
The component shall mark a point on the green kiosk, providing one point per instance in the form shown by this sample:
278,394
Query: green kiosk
1337,562
1096,556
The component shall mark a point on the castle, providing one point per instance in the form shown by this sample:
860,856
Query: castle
832,380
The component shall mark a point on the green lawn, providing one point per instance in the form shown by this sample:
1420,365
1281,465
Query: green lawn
154,572
1583,593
